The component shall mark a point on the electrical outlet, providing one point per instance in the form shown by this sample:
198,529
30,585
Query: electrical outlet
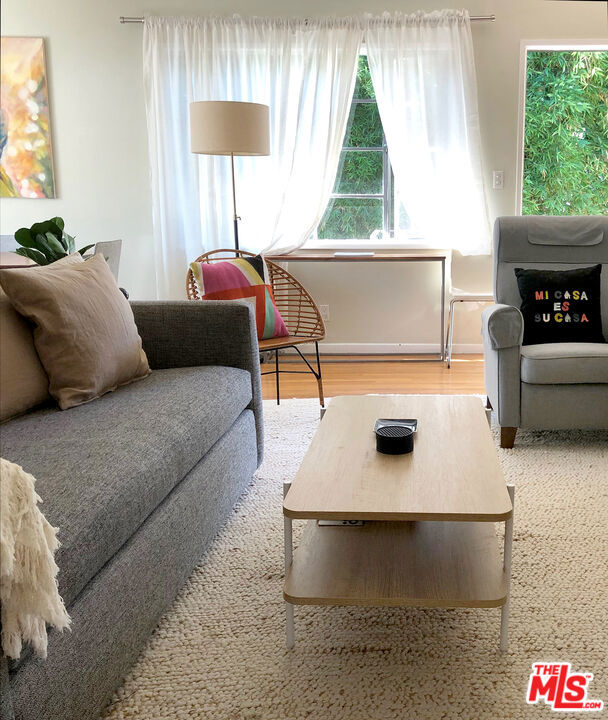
324,310
498,179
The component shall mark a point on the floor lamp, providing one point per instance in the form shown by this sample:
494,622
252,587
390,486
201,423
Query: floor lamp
229,128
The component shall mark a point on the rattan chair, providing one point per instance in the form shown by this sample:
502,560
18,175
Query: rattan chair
298,310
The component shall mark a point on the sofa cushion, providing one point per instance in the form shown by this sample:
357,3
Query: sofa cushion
103,467
85,333
23,382
564,363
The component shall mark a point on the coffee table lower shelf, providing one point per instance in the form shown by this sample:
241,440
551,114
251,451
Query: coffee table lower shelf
425,564
399,564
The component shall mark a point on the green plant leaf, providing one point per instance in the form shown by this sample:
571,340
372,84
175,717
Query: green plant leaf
42,246
46,226
64,242
35,255
71,245
48,241
24,237
55,245
83,250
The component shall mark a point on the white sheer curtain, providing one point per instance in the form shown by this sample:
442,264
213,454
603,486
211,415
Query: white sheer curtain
423,72
305,72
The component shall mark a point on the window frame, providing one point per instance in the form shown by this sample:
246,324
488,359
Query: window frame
530,46
387,175
389,210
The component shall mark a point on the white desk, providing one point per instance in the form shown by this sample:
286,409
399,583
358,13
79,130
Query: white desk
359,257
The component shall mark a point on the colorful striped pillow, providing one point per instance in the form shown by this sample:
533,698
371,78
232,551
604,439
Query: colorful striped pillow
244,278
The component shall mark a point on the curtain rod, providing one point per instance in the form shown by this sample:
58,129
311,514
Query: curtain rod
474,18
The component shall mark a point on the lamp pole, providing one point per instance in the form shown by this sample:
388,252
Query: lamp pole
236,217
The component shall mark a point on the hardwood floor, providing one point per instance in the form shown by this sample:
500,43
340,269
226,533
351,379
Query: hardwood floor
382,375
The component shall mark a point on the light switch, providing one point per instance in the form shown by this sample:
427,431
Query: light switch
498,179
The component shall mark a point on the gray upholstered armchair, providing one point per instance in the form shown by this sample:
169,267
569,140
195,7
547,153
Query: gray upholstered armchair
552,385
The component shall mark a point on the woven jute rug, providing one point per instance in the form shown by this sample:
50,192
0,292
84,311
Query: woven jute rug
219,653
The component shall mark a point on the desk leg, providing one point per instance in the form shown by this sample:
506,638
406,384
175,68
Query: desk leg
450,333
508,552
442,358
288,536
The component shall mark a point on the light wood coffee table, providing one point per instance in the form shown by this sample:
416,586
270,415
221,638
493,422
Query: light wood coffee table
428,539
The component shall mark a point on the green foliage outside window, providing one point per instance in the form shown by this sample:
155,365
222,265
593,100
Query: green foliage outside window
364,128
565,150
364,87
359,172
352,218
566,134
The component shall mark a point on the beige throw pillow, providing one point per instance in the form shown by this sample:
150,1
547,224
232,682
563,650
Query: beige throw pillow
85,333
23,382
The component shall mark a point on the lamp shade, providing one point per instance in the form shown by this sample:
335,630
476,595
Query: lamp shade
229,128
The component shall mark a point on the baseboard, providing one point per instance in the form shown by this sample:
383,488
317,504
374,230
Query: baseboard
387,348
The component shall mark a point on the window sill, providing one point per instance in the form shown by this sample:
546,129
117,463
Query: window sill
370,246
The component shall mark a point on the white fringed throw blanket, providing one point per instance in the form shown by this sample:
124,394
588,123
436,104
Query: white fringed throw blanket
28,585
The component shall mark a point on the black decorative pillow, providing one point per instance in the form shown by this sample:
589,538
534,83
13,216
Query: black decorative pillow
561,305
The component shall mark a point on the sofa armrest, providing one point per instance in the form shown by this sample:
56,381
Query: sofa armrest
502,329
502,326
186,333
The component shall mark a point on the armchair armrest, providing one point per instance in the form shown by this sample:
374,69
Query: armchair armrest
186,333
502,326
502,329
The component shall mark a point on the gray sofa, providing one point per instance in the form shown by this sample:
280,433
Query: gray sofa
552,385
139,483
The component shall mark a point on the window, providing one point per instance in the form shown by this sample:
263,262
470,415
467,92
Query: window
362,204
564,166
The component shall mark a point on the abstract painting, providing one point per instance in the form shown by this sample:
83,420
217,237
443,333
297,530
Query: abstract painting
26,161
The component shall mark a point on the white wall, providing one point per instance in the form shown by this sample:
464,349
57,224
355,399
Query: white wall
100,148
